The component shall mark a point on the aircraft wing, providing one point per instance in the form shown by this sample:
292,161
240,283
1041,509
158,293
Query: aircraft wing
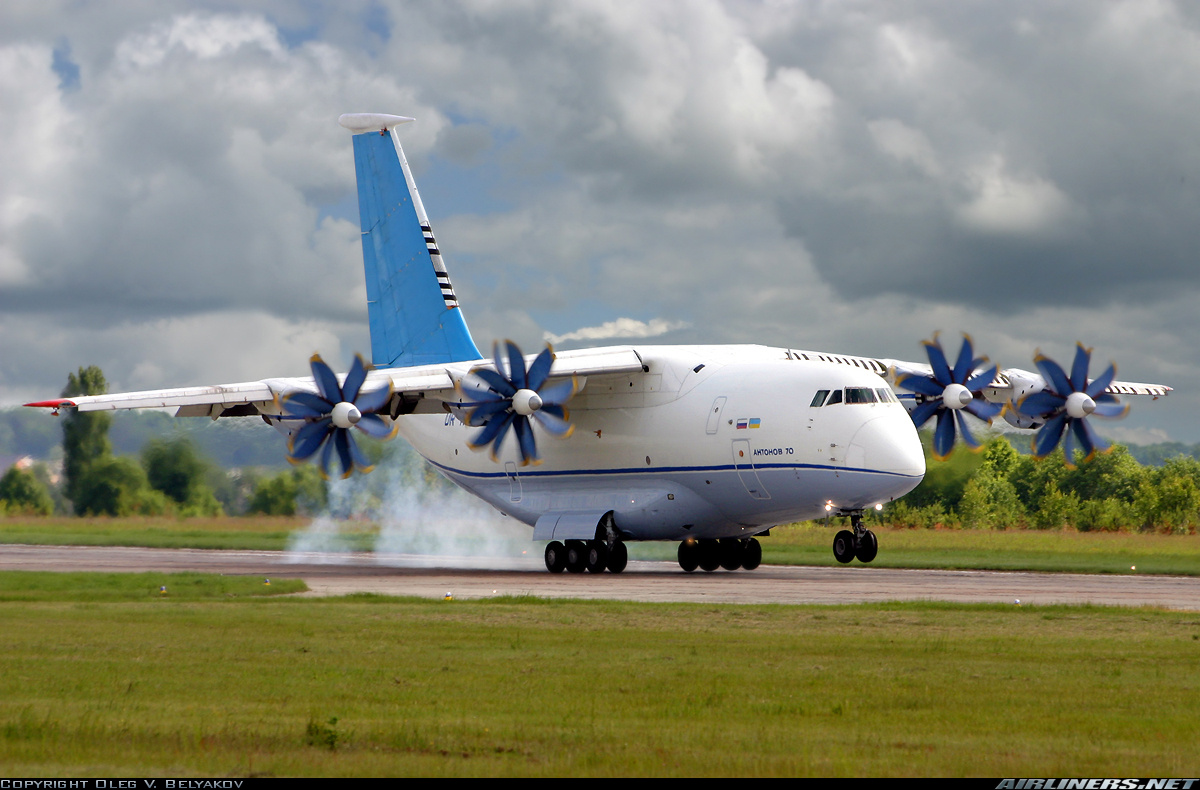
409,385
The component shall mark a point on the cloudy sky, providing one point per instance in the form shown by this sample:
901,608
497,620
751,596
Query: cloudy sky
177,200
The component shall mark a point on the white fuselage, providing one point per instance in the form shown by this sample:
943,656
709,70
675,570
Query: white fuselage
726,450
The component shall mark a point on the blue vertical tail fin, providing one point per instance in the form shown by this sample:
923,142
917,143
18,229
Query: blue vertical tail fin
413,312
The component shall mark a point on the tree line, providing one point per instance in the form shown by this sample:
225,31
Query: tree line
1000,488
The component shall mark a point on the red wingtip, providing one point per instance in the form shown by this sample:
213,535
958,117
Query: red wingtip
52,404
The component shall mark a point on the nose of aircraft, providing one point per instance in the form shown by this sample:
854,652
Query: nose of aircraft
889,444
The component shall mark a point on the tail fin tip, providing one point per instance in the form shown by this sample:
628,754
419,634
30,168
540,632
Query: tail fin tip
363,122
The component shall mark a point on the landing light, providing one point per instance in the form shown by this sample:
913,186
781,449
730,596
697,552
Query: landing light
879,506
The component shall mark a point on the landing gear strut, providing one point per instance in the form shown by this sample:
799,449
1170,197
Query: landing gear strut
860,543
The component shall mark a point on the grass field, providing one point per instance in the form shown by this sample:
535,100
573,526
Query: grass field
132,683
804,544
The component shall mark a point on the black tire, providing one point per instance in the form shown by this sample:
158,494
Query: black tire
597,556
576,556
710,555
556,557
843,546
689,555
618,557
868,547
752,554
730,552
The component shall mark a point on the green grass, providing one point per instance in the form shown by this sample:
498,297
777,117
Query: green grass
367,685
45,586
801,544
257,533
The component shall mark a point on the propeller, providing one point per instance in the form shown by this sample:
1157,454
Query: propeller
1066,403
508,397
329,416
949,392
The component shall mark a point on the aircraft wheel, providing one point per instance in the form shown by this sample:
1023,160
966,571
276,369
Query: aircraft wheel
710,555
751,554
597,556
868,547
730,552
556,557
689,555
618,557
576,556
843,546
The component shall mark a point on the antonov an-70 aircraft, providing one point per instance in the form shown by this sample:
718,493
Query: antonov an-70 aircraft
705,445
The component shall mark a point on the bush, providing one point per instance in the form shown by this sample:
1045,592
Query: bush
118,487
21,493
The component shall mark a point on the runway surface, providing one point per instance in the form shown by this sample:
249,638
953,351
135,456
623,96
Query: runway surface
473,577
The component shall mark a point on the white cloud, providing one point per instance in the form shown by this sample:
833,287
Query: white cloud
620,328
1004,203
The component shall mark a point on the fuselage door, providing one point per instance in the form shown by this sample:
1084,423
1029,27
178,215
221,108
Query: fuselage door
744,464
714,415
514,481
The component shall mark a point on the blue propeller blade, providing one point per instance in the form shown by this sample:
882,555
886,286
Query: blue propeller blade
526,442
1041,403
1048,436
552,423
305,404
516,365
539,371
922,413
922,384
326,381
377,427
1079,368
374,400
560,393
966,360
354,379
497,382
943,435
1053,373
341,440
1097,387
307,440
937,360
964,431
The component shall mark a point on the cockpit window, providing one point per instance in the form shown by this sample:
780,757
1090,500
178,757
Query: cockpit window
860,395
886,395
819,398
834,397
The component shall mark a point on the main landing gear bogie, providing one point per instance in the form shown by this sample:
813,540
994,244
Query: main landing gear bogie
860,543
593,556
728,553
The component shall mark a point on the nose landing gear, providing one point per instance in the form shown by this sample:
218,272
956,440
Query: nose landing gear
860,543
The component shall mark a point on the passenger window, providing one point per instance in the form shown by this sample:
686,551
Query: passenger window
819,398
834,397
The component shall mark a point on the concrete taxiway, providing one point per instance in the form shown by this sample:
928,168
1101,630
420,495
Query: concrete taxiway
475,577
